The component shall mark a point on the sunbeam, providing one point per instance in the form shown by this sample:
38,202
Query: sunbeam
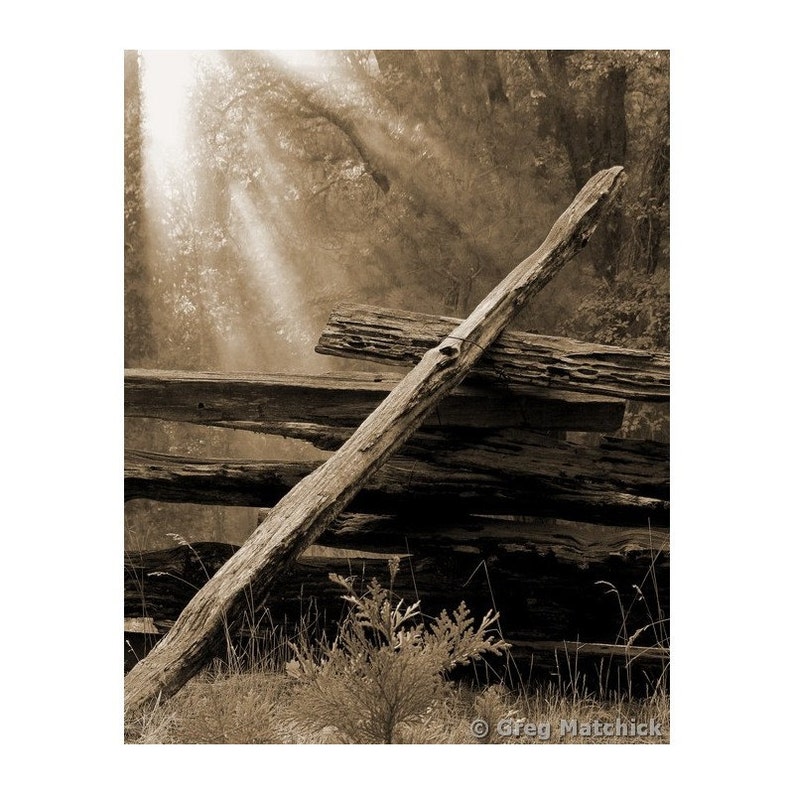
167,79
309,64
273,281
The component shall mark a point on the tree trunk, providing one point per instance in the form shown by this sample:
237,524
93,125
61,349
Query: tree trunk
594,133
390,336
301,516
282,403
138,338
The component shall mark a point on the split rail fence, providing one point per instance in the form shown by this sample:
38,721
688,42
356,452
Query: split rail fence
461,468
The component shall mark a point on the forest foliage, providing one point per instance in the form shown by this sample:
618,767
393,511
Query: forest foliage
409,178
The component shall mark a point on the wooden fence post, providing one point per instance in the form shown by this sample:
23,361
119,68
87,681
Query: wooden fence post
302,515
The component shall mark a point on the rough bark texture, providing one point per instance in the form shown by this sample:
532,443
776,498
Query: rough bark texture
390,336
623,482
282,404
301,516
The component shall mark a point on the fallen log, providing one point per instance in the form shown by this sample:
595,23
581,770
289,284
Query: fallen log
631,669
284,404
401,338
573,648
300,517
616,484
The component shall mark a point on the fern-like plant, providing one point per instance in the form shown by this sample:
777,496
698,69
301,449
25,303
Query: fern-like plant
386,669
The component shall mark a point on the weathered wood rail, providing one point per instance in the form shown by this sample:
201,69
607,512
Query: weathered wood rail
309,508
575,543
622,482
159,583
391,336
547,580
291,405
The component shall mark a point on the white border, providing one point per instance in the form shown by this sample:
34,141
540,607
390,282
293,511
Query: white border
62,323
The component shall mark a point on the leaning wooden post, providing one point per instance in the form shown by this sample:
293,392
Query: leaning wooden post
304,513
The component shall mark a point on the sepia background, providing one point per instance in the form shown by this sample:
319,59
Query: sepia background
263,188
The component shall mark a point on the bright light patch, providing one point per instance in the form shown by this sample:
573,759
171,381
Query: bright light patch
311,65
167,79
302,60
273,279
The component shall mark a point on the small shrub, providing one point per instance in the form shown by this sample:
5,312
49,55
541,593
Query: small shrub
385,673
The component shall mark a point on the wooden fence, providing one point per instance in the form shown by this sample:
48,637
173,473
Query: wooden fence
471,482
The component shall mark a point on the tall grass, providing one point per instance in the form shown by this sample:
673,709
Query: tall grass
384,678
